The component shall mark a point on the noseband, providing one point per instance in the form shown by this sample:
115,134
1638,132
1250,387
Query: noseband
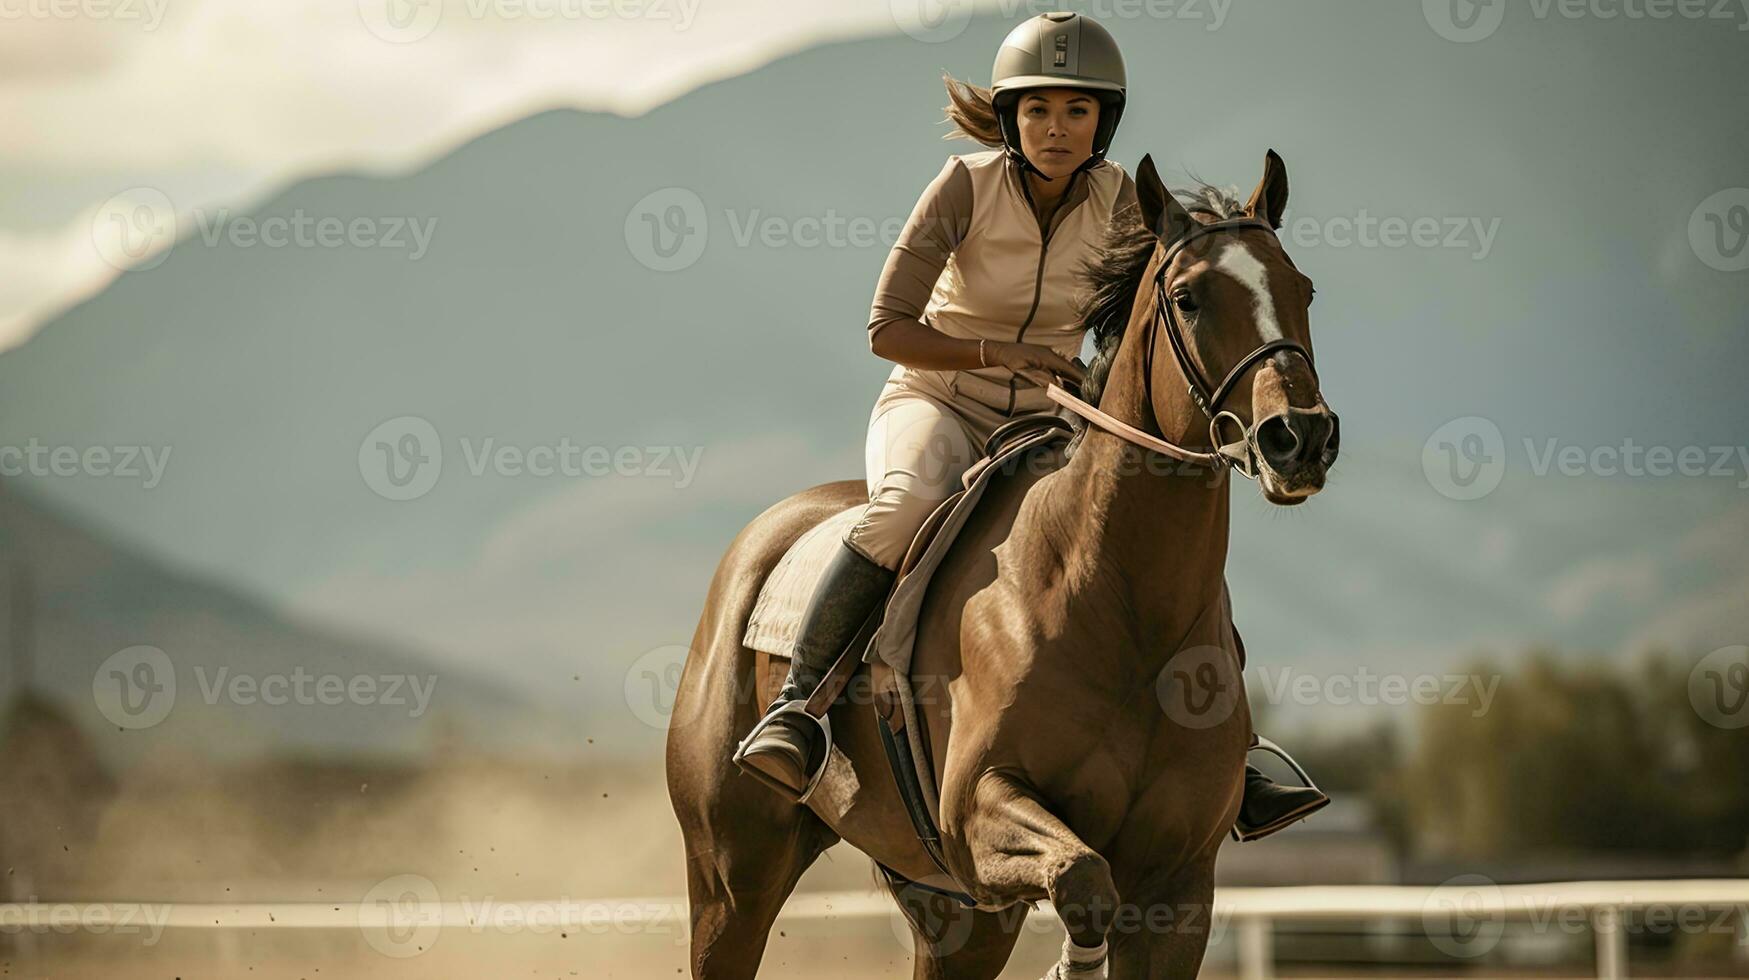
1236,454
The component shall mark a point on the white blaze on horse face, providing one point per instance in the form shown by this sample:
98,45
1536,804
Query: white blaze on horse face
1238,261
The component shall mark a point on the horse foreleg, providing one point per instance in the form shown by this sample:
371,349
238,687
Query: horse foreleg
1176,911
955,943
1022,852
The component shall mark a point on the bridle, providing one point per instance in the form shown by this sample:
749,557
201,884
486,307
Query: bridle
1236,454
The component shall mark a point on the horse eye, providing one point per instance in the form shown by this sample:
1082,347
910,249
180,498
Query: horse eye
1184,301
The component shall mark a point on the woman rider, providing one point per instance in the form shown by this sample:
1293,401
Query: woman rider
977,307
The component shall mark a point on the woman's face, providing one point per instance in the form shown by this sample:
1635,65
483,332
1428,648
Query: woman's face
1056,128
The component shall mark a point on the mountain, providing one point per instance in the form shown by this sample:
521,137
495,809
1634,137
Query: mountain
148,661
353,436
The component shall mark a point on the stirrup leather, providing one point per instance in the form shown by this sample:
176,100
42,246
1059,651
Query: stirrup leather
796,707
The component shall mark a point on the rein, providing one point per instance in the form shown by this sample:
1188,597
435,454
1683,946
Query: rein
1236,454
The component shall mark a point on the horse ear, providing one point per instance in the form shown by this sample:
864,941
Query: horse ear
1269,200
1161,212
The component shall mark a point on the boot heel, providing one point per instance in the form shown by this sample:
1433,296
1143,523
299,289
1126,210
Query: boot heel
752,768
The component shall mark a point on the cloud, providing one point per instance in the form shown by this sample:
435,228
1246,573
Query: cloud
226,99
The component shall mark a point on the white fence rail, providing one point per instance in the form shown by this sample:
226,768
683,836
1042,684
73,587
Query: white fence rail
1598,906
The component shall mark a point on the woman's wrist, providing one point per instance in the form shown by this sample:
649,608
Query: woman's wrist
991,354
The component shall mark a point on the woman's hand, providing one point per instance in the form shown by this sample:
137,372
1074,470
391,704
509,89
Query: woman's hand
1037,364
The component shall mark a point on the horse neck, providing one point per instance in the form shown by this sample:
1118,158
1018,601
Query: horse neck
1129,518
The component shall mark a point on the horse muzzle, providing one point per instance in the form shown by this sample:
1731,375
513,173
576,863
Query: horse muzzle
1290,453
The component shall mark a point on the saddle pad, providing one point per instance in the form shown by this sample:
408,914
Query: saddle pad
777,613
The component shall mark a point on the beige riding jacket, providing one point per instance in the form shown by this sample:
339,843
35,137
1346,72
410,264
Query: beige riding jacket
975,261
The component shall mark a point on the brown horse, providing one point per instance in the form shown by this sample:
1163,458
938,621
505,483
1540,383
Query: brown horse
1073,613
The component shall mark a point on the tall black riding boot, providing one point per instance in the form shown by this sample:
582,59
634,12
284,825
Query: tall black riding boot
785,750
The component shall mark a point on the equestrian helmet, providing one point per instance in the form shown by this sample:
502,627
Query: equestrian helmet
1058,50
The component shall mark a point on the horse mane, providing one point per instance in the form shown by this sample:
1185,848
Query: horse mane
1114,276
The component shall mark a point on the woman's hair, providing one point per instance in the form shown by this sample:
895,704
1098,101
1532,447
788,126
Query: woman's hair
972,112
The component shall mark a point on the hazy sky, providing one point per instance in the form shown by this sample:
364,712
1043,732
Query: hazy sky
1588,283
111,105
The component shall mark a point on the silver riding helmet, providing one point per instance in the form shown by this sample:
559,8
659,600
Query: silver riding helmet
1058,50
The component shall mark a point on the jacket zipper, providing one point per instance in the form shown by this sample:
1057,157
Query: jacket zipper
1046,229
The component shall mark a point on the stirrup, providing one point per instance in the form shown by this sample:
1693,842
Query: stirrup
800,707
1264,744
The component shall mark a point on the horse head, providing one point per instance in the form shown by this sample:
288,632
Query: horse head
1233,310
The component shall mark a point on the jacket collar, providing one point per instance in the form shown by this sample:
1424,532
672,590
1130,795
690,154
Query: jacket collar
1078,188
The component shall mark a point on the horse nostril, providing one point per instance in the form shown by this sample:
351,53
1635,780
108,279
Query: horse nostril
1277,441
1333,442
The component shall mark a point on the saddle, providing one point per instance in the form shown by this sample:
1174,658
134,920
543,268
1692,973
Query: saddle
887,640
